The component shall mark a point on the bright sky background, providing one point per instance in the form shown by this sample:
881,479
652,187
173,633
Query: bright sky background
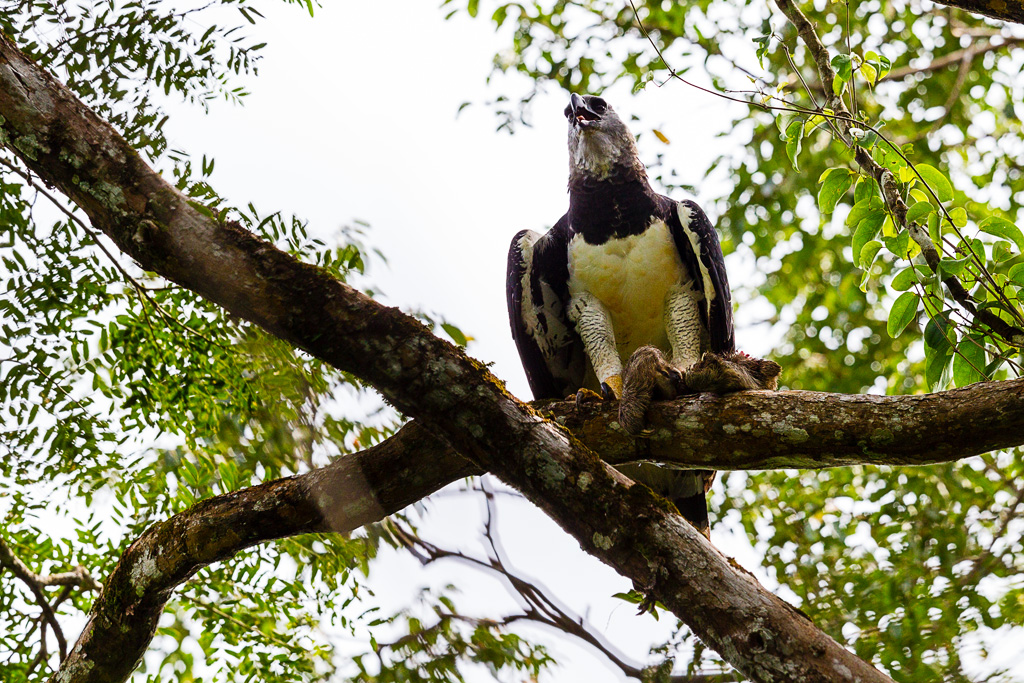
353,116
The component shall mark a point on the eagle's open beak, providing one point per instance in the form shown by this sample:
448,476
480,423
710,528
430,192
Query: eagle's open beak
579,113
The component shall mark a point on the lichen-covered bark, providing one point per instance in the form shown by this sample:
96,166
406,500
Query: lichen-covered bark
1006,10
805,429
454,397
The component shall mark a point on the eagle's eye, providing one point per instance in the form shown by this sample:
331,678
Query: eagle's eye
598,105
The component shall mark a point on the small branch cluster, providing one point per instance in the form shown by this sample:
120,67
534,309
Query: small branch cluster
79,577
541,608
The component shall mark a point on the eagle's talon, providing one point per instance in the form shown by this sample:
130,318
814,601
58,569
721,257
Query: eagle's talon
674,377
587,396
607,393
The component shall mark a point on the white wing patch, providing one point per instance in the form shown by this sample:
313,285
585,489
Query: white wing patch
554,333
529,309
705,276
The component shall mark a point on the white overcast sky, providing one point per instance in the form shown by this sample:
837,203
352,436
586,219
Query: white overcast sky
353,116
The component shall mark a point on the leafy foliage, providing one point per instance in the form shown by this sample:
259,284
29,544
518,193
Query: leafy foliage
128,399
885,559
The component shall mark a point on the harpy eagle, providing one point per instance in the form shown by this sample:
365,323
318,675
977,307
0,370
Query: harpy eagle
624,268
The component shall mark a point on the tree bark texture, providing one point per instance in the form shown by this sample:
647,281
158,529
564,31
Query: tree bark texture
700,431
453,396
755,430
1004,10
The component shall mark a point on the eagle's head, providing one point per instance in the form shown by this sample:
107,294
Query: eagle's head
600,144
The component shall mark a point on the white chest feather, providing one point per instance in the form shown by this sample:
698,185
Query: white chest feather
631,277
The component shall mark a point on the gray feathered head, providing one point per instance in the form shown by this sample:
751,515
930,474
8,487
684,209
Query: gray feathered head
600,144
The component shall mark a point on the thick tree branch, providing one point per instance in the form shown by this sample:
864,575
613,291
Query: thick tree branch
624,525
1004,10
752,430
756,430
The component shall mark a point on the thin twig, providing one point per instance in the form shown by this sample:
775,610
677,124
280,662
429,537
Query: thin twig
540,608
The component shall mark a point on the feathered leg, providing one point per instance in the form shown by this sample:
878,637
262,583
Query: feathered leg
648,375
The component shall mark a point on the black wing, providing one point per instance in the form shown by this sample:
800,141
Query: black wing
698,247
537,290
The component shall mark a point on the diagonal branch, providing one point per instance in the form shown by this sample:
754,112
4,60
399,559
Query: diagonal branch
457,399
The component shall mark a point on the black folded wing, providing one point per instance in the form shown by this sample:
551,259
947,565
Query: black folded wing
697,243
537,291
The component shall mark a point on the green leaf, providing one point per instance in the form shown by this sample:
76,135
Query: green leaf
843,64
899,244
868,253
865,207
936,181
1003,251
794,136
866,231
838,86
958,216
473,7
865,188
1000,227
908,277
952,267
782,122
881,63
934,227
937,333
902,313
455,333
1016,275
869,73
991,368
837,182
919,211
969,361
762,47
936,364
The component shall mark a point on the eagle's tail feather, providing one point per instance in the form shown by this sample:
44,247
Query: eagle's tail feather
695,510
686,489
